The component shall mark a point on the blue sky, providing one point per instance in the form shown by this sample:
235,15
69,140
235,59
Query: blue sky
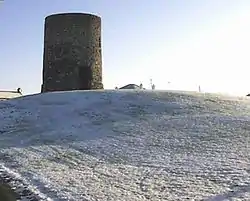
186,42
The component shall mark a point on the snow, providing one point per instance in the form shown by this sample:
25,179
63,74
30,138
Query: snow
4,95
127,145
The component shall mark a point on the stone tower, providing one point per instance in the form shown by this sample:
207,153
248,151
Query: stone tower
72,58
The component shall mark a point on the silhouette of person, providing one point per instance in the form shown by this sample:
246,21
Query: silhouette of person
153,87
19,90
141,86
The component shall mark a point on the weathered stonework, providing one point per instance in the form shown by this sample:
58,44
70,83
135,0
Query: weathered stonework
72,57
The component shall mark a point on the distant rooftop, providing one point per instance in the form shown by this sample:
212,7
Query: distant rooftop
130,86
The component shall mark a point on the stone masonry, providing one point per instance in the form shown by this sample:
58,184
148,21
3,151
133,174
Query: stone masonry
72,58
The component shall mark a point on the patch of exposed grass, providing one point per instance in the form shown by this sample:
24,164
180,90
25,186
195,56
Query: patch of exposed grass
6,193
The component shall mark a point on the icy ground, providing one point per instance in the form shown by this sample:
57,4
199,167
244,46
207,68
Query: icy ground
127,146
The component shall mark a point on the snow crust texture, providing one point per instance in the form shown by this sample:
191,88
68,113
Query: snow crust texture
127,146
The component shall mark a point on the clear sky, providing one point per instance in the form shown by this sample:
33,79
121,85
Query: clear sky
186,42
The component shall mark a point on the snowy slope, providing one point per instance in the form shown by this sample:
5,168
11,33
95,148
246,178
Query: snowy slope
127,145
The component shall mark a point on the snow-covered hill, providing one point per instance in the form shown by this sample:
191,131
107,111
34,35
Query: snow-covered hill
126,145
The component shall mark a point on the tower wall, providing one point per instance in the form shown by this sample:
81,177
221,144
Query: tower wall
72,57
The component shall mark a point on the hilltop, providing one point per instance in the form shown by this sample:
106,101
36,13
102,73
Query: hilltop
126,145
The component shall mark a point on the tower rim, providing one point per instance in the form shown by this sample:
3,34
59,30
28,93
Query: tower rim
72,14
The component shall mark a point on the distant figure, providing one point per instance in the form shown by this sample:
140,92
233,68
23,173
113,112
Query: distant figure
19,90
153,86
199,88
141,86
116,88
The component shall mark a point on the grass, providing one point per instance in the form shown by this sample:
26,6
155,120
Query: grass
6,193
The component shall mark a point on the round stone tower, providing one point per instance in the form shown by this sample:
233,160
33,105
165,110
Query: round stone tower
72,58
